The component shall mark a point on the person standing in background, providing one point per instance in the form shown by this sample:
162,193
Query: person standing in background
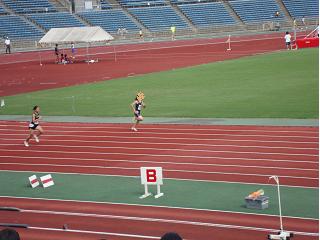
173,32
56,52
287,38
7,42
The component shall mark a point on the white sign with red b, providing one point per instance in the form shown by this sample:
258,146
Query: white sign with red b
151,176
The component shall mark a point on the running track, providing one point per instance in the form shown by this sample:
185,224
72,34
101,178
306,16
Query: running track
21,72
247,154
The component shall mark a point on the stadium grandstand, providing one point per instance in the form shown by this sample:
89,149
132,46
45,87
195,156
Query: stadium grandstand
23,20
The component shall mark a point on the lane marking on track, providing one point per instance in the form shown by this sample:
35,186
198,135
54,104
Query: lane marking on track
166,170
155,206
163,162
161,220
94,232
163,133
165,149
165,138
124,154
53,125
165,143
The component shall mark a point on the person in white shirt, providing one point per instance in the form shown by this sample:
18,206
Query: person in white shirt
287,38
7,42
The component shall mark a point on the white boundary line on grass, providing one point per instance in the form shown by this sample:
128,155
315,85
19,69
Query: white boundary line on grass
175,179
185,222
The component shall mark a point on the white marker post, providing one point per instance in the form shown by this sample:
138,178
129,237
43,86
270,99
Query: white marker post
282,235
151,176
229,43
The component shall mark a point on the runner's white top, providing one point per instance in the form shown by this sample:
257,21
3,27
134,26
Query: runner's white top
288,37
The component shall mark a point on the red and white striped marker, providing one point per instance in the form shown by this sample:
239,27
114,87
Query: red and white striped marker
47,181
34,181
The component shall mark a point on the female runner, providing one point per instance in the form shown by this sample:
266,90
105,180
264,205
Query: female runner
137,106
35,129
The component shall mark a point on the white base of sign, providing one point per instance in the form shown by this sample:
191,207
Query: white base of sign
147,193
158,195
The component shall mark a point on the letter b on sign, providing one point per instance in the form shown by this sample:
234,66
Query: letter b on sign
151,175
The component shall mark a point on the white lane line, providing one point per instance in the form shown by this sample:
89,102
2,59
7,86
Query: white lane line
94,232
124,154
52,125
166,170
167,149
134,136
163,133
164,143
161,220
156,206
161,162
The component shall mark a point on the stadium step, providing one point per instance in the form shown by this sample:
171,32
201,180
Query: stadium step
233,13
115,4
284,9
9,10
183,16
60,5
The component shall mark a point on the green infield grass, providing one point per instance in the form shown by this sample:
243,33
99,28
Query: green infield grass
275,85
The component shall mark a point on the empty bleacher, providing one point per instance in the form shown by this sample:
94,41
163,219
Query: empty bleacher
302,8
158,18
205,14
177,2
55,20
105,4
141,3
110,20
29,6
256,10
16,27
2,10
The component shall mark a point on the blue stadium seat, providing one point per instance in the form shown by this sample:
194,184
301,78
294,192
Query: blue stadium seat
16,27
141,3
205,14
302,8
2,10
256,10
110,20
55,20
105,4
158,18
30,6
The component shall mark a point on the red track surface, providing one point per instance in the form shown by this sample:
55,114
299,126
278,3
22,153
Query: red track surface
146,221
21,72
214,153
217,153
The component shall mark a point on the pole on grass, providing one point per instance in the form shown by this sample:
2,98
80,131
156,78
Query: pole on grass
276,179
